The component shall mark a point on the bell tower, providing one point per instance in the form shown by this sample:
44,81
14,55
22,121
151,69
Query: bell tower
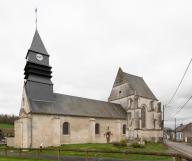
37,73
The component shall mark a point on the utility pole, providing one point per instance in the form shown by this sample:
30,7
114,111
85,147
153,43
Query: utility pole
175,128
163,117
163,123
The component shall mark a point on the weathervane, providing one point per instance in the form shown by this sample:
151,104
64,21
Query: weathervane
36,18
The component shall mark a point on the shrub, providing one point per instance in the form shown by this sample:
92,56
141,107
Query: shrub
120,144
123,143
148,142
116,143
137,145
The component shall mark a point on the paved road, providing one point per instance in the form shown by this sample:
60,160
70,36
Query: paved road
181,147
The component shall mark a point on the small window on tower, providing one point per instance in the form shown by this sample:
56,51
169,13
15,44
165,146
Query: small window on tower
119,92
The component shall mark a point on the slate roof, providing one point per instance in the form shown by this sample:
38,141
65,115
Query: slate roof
138,84
77,106
37,44
131,85
182,127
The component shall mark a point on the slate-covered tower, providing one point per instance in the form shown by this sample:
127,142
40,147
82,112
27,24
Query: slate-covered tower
38,83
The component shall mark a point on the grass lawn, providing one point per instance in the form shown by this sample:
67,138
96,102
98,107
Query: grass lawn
156,147
150,147
5,126
20,159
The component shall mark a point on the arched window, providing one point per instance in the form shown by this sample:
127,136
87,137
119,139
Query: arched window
151,108
124,129
97,128
158,107
143,117
130,102
136,98
66,128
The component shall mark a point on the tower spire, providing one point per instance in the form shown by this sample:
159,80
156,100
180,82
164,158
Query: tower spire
37,44
36,18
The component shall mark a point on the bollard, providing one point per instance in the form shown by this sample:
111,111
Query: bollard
59,155
126,156
19,152
38,153
86,156
6,151
178,158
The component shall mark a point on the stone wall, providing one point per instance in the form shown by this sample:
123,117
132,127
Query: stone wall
22,129
48,130
150,135
10,141
153,117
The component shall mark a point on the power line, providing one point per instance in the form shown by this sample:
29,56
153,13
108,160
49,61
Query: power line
183,106
179,84
180,108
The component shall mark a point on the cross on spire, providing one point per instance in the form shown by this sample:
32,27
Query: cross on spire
36,17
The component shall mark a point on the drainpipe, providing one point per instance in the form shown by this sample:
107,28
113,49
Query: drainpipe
31,133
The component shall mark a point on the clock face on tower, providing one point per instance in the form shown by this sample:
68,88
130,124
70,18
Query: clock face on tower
39,57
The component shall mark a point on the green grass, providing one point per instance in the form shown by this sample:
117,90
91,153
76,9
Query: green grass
150,147
5,126
156,147
20,159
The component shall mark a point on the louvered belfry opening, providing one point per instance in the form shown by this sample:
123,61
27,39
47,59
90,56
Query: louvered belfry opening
37,69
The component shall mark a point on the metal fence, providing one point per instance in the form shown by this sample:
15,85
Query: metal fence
38,151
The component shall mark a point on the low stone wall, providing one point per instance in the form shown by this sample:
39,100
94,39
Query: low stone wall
151,135
10,141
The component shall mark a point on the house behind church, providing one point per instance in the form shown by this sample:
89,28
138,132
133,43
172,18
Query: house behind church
53,119
184,133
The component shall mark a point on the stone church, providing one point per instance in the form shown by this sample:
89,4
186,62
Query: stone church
52,119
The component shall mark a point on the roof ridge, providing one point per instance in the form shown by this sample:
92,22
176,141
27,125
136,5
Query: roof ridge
133,75
87,98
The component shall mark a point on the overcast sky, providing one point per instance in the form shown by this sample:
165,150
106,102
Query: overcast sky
89,40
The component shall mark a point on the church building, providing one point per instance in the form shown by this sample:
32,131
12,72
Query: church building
52,119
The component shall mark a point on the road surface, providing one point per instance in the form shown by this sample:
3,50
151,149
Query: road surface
181,147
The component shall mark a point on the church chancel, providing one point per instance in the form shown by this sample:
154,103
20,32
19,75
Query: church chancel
52,119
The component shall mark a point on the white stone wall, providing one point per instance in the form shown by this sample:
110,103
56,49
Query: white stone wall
56,140
42,130
22,127
10,141
48,130
150,135
18,126
133,104
25,103
22,132
123,102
